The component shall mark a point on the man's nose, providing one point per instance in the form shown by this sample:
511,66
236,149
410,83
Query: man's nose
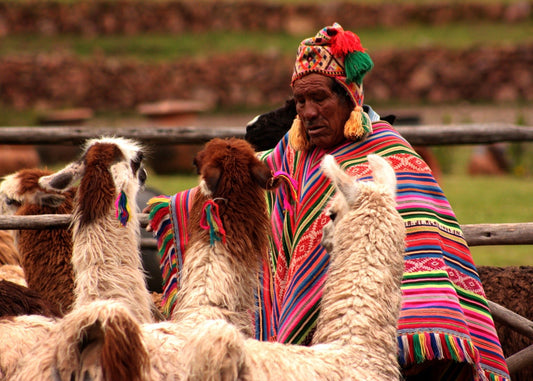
309,111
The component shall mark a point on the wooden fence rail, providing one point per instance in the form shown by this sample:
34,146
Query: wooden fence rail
475,234
416,135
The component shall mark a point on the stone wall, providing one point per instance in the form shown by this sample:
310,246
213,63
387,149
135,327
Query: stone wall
251,80
132,17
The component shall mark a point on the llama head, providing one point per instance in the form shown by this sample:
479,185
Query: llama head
266,130
350,190
224,165
108,168
22,188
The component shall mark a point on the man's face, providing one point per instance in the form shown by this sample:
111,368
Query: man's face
322,112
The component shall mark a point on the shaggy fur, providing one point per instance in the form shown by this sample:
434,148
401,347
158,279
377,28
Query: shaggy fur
9,255
356,330
45,254
18,336
13,273
218,281
116,347
511,287
18,300
106,257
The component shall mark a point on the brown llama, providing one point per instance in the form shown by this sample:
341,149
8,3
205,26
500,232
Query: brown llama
45,254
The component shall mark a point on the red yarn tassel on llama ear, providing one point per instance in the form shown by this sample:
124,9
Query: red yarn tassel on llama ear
211,221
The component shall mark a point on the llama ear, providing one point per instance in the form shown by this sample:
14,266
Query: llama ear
211,177
382,172
262,175
342,181
64,179
52,200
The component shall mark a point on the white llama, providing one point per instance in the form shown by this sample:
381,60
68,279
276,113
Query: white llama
106,257
105,226
356,331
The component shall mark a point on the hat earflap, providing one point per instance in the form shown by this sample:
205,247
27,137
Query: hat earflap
297,136
358,126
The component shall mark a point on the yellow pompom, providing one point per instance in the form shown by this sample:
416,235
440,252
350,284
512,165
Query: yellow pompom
297,136
358,125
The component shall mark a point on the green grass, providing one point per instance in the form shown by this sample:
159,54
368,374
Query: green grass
151,48
492,199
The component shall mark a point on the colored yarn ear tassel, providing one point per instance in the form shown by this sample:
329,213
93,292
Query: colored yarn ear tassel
122,208
358,125
297,137
292,184
210,220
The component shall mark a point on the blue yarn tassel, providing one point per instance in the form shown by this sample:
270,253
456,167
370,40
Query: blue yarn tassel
122,208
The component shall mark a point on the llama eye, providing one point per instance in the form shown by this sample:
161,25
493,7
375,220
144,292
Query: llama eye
332,216
11,201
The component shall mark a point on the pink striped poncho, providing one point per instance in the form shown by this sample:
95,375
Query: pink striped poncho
444,313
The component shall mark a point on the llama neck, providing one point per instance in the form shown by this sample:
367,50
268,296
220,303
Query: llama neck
362,296
107,263
216,285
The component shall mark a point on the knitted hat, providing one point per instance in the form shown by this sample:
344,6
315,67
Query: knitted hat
338,54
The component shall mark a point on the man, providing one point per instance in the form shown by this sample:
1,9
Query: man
445,330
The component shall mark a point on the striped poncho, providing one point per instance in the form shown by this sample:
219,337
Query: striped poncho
444,313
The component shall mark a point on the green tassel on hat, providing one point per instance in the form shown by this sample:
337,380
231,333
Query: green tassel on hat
357,64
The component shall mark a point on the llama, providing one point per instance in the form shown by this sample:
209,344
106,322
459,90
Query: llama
106,234
105,224
218,279
356,330
45,254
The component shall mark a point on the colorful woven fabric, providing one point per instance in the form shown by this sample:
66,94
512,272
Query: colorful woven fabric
444,312
170,230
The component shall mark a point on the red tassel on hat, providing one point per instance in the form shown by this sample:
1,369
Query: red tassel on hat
345,42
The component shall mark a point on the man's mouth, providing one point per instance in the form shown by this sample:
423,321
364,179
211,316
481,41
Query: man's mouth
314,130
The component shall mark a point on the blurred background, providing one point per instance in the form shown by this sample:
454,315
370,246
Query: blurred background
220,63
